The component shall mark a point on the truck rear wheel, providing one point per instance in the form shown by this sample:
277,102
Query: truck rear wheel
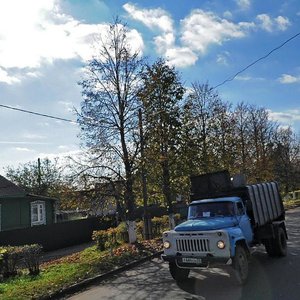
240,265
278,245
270,247
177,273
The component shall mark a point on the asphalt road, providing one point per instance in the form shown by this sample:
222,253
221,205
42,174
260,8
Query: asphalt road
269,278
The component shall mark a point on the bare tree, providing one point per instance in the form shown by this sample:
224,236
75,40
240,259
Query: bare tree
205,105
287,159
242,120
109,115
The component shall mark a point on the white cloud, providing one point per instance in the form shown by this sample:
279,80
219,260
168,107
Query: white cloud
282,23
181,57
62,155
63,147
4,77
155,19
268,24
21,149
243,4
288,79
33,136
67,105
22,143
247,78
152,18
36,32
287,117
198,30
227,14
201,29
222,58
265,22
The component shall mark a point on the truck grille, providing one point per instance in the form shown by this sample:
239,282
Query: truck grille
192,245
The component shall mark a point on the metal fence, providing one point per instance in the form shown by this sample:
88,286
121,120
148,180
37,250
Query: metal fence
55,236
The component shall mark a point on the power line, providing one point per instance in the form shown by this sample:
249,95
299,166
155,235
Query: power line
38,114
220,84
256,61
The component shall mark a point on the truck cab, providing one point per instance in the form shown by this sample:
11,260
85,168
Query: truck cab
209,237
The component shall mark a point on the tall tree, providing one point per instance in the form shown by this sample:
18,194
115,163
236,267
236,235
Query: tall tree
42,177
161,93
242,142
286,158
205,105
109,115
262,131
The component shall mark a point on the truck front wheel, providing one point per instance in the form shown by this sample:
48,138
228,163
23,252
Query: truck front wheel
177,273
240,265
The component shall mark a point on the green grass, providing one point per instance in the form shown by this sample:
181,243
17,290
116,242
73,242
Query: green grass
64,272
69,270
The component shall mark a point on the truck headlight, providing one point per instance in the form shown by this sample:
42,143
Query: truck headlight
167,244
221,244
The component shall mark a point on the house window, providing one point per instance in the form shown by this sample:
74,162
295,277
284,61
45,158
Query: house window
38,213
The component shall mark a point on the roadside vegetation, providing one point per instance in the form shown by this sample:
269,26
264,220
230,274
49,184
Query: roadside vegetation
61,273
291,203
111,251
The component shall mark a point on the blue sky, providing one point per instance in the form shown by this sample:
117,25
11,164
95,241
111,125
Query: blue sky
44,45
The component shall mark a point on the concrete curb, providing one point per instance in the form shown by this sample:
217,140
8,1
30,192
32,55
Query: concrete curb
97,279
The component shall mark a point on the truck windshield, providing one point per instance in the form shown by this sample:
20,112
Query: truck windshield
213,209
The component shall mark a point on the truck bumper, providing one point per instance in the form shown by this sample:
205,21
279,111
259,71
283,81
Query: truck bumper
205,261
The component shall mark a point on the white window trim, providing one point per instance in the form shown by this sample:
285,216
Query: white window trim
41,218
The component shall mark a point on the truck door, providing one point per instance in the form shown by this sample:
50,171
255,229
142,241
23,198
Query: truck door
244,222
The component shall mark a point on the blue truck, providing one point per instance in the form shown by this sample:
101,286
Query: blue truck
226,219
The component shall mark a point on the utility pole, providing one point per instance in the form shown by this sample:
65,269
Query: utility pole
39,175
147,219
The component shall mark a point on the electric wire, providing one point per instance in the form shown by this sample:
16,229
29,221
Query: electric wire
256,61
38,114
218,85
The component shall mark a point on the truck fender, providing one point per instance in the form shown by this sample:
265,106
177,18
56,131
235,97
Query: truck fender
237,238
281,224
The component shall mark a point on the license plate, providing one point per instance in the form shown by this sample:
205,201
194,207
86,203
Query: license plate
191,260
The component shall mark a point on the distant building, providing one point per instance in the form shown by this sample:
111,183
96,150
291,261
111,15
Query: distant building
18,209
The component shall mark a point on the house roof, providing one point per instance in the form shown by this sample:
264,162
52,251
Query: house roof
7,188
10,190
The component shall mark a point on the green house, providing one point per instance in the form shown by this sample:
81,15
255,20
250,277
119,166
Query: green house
18,209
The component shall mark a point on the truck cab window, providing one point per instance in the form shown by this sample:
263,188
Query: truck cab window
240,208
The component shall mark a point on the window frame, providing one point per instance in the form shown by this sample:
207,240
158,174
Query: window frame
240,213
40,207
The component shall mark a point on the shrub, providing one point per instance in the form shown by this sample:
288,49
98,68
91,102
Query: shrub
140,229
111,241
122,233
10,257
111,238
31,257
158,226
100,237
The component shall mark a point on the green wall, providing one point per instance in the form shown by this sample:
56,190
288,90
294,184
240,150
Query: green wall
15,212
